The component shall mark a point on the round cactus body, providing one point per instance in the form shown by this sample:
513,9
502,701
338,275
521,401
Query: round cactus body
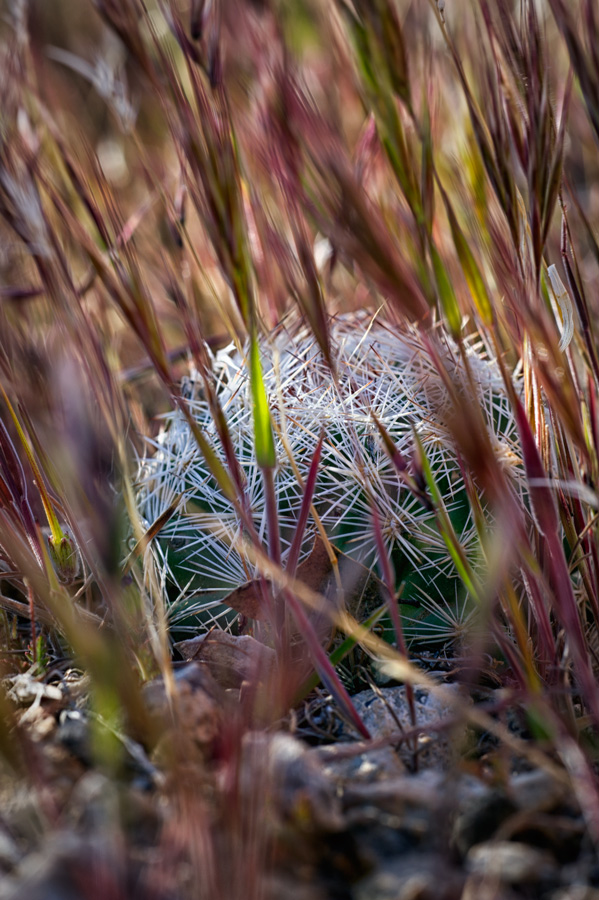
380,371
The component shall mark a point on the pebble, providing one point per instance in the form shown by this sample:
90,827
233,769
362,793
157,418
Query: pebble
386,711
536,791
284,777
510,862
414,876
479,817
199,712
367,767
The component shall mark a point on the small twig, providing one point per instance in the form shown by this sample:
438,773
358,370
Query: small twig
42,615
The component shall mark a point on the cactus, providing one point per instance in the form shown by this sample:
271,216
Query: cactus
379,370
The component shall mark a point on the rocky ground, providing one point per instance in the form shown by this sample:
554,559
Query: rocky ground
317,813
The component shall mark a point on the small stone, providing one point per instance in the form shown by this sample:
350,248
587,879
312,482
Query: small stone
283,776
199,713
510,862
479,817
414,876
387,711
423,790
359,768
478,887
537,791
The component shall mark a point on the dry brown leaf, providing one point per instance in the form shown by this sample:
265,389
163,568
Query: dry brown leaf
247,600
313,572
316,568
230,658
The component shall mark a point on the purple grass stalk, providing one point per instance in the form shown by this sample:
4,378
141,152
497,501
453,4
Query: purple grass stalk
388,579
277,609
583,50
546,517
548,651
323,664
13,489
579,299
302,519
392,604
197,346
401,465
272,515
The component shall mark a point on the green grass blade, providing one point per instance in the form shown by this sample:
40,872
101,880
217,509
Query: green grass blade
340,652
447,297
263,436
